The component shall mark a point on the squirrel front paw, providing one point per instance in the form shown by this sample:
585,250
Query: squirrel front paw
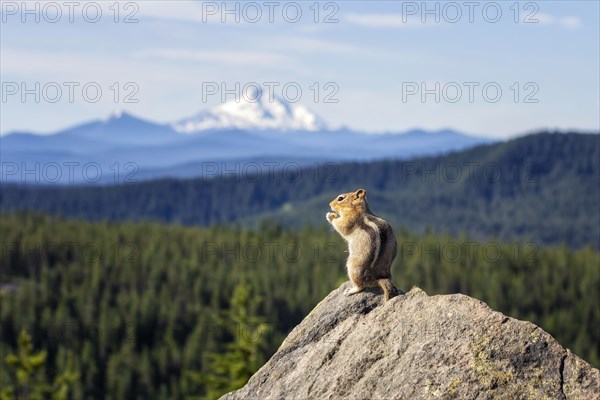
353,290
331,216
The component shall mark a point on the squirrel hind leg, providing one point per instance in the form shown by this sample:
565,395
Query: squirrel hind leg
389,290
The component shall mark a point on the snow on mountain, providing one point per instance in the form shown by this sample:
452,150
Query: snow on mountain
117,114
236,133
256,112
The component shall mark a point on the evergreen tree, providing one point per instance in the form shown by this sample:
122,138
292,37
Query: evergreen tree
243,354
29,380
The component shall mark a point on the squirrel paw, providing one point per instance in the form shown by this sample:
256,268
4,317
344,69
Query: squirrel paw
353,290
331,216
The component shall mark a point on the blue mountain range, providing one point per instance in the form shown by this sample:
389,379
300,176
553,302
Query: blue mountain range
229,137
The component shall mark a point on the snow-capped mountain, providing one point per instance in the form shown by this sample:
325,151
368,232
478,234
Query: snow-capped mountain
255,112
234,134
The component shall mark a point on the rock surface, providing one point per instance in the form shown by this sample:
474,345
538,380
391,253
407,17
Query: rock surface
418,347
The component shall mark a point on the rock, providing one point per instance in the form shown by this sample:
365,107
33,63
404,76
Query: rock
418,347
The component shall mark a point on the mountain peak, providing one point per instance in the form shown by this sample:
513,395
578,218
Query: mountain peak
121,115
256,110
116,114
418,347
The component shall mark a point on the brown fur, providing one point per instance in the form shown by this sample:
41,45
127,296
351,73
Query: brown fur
371,242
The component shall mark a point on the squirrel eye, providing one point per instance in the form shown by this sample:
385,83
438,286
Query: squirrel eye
340,198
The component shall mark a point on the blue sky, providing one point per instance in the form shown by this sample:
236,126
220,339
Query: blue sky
376,58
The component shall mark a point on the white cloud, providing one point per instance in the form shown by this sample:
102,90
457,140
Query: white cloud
46,66
569,22
298,43
227,57
399,21
183,11
40,64
384,20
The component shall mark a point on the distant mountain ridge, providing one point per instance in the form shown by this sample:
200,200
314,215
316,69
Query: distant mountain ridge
234,133
541,188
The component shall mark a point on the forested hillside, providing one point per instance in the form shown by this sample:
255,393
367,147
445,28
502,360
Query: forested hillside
150,311
542,187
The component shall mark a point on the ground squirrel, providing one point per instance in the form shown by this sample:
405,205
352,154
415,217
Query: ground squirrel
371,242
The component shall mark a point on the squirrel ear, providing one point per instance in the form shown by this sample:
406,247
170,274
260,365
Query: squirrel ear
361,193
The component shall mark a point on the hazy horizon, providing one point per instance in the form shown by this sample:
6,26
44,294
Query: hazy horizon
376,67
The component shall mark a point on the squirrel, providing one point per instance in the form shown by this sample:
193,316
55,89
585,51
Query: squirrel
371,242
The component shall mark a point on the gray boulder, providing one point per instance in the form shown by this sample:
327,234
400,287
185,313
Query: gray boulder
418,347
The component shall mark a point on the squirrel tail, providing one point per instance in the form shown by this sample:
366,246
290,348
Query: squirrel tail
389,290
